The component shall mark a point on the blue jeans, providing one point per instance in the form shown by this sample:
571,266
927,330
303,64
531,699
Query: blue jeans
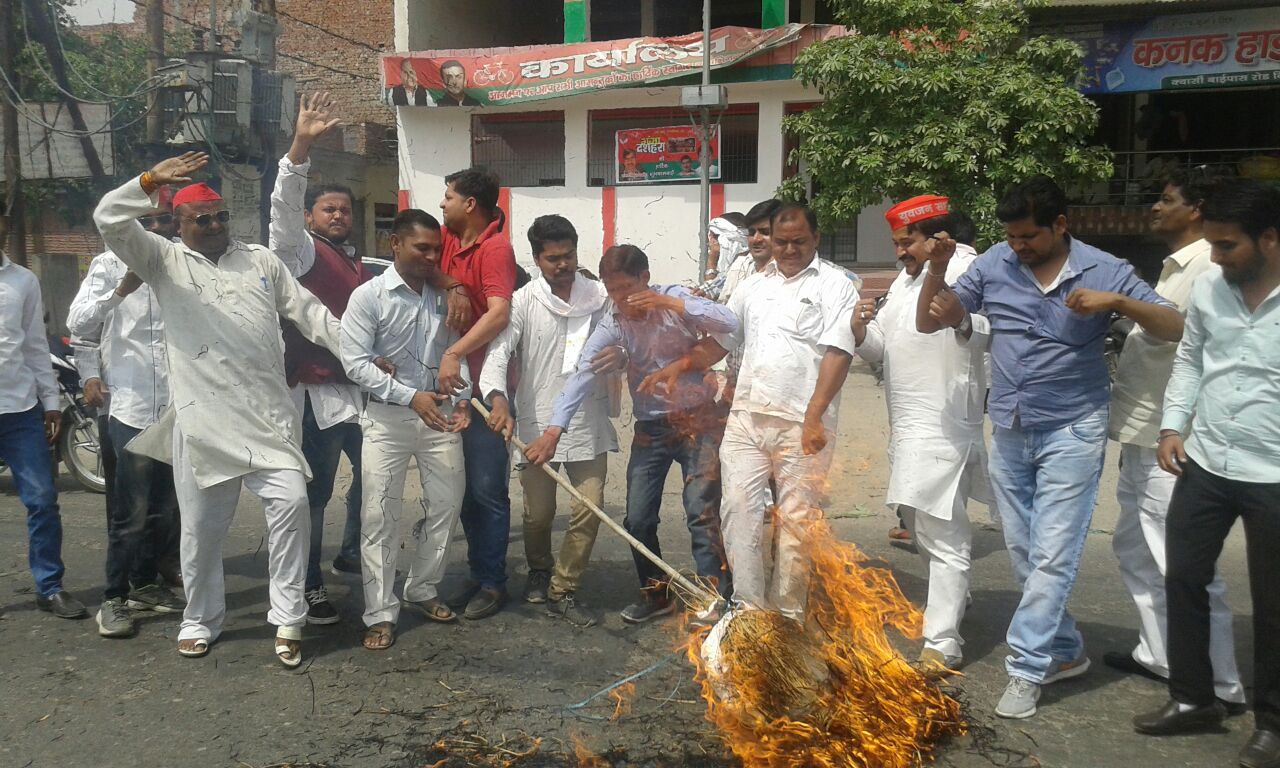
1045,483
323,449
694,443
142,513
24,448
486,505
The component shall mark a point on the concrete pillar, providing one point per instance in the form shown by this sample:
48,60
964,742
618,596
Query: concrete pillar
577,21
648,23
774,13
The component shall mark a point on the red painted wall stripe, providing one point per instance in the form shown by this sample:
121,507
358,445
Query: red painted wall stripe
402,200
717,200
609,214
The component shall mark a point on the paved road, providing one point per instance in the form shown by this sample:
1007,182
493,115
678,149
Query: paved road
74,699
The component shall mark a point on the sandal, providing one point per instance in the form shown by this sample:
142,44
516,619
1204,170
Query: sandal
289,652
193,647
380,636
434,609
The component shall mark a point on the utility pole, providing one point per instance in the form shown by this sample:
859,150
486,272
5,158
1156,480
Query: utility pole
270,168
155,58
704,155
12,163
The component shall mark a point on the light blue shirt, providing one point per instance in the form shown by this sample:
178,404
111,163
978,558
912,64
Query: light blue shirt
1226,383
387,318
1048,368
652,343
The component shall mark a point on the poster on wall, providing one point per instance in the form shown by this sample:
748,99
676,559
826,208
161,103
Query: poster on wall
666,153
496,76
1195,50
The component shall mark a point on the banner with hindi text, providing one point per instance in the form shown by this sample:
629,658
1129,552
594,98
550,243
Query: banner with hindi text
667,153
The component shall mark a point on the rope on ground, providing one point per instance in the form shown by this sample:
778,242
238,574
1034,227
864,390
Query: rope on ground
573,708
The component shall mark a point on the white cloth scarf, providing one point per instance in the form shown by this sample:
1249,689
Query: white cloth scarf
586,297
732,239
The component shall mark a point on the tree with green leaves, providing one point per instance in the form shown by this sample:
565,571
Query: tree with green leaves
950,97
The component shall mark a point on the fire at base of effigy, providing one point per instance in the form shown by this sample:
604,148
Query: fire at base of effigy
832,691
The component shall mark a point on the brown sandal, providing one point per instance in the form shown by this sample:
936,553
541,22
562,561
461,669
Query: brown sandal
434,609
380,636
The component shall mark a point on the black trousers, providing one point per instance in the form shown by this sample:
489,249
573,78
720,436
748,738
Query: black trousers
1204,508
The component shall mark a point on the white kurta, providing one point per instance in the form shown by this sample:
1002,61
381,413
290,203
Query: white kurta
226,356
935,385
539,336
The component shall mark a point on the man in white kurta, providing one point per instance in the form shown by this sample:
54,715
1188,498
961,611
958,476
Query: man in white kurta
935,384
551,318
231,421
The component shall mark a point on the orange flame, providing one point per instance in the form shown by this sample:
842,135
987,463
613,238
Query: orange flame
833,692
584,758
621,700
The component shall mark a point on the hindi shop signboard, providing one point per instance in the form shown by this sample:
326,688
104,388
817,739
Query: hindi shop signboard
668,153
496,76
1198,50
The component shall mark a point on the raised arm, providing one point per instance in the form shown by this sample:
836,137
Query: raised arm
287,234
117,214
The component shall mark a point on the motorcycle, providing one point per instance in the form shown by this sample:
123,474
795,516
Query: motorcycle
78,445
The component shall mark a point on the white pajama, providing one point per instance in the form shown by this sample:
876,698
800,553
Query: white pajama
1144,491
945,547
392,435
756,447
206,518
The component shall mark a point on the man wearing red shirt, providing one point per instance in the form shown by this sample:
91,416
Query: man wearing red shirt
478,253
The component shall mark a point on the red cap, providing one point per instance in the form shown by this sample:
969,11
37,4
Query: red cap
918,208
195,193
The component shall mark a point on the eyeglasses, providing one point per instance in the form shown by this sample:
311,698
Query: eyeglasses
205,220
163,219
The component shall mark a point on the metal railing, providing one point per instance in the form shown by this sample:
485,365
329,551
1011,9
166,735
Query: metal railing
1139,176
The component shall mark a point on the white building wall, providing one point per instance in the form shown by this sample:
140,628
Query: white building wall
662,219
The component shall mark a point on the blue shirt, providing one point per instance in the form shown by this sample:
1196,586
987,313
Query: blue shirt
1048,368
652,343
1226,383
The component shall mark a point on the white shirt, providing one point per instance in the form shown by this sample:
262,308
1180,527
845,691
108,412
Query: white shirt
538,337
785,327
1146,362
26,375
229,398
129,336
935,384
289,240
387,318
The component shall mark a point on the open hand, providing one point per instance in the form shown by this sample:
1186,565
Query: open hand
664,380
426,405
315,117
649,300
178,170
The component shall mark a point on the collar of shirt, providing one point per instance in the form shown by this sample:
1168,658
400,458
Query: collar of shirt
1184,255
391,280
498,224
4,260
1077,262
772,269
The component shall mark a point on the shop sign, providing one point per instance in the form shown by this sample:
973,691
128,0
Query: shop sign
1198,50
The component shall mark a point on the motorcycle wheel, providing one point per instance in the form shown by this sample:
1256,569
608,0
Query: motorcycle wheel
81,451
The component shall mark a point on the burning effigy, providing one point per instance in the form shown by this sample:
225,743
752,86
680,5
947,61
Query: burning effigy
831,691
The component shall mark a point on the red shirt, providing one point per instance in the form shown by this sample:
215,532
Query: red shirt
488,270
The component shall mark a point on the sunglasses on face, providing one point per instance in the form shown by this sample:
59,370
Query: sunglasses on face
205,220
163,219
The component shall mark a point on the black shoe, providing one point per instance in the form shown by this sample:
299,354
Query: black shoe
62,605
535,588
486,602
1262,751
343,566
1234,708
648,608
459,600
319,609
1124,662
1173,719
171,574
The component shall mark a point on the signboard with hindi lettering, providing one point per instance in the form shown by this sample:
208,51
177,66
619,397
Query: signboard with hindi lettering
496,76
667,153
1196,50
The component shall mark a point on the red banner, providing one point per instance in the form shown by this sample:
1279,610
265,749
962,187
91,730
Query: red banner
478,77
668,153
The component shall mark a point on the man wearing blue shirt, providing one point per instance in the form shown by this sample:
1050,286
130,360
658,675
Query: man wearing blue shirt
1049,299
655,326
1224,398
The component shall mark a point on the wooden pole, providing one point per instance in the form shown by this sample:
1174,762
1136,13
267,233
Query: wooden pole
12,207
694,589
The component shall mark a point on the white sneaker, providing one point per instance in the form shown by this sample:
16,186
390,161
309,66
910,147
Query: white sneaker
1019,699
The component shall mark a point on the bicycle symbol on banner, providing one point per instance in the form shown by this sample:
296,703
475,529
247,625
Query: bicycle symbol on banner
494,73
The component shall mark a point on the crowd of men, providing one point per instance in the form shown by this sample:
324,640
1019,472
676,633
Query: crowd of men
223,366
